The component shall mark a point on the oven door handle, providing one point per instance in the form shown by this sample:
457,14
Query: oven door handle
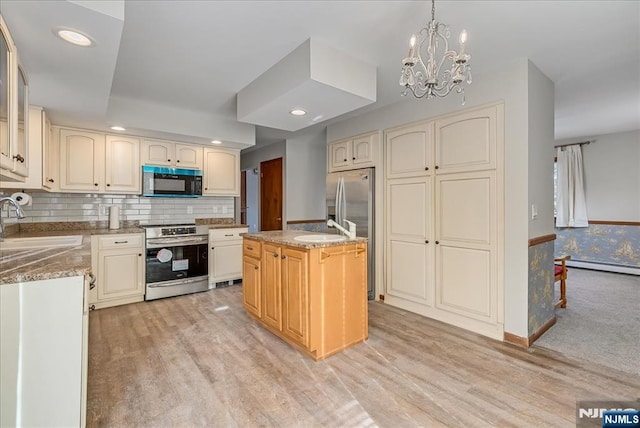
176,242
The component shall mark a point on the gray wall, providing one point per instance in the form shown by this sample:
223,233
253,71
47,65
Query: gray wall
612,175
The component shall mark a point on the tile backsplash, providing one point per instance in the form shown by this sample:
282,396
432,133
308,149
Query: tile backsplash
57,207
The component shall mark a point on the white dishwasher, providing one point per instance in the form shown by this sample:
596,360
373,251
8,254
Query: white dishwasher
225,255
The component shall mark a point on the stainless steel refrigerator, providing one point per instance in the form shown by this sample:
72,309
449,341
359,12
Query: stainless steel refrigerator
356,204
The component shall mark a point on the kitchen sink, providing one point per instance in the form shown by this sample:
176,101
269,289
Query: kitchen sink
320,238
40,242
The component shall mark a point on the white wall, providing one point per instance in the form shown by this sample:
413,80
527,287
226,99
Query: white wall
306,174
509,84
541,130
612,175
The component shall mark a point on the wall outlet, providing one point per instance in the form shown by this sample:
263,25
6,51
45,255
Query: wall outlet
534,212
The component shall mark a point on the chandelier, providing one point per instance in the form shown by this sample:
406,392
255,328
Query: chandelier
442,70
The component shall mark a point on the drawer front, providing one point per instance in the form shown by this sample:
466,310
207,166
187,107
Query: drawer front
252,248
227,234
121,241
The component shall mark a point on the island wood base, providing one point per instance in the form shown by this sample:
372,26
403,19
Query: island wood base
313,298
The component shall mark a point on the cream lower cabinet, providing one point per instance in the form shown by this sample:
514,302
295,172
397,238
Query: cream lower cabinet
118,263
315,299
225,255
442,227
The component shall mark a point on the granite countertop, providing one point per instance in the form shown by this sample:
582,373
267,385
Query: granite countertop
59,262
51,262
287,237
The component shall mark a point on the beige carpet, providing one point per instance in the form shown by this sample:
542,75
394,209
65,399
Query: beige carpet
601,322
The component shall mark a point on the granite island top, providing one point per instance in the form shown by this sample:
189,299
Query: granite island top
287,237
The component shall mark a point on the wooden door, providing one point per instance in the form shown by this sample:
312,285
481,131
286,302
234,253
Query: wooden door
271,194
272,286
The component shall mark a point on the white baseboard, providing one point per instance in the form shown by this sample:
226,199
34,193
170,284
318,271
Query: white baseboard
604,267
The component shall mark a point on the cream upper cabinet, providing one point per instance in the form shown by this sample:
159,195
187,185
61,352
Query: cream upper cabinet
50,158
188,156
221,172
122,164
8,104
356,152
21,144
467,141
409,150
165,153
81,161
38,136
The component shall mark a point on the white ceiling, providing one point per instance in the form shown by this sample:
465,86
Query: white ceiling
173,68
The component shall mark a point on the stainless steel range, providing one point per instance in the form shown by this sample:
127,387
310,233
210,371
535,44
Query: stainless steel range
176,260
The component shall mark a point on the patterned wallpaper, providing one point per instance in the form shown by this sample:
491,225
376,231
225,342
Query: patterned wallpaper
598,243
541,286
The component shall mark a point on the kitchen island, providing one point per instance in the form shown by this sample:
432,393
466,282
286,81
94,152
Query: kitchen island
309,290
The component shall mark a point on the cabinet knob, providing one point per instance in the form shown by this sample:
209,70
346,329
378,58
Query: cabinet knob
92,307
437,242
206,188
426,242
275,254
344,160
255,267
95,184
213,248
426,168
108,184
139,254
250,248
354,158
437,167
50,180
168,160
284,257
178,161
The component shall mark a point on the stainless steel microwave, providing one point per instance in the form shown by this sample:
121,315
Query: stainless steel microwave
171,182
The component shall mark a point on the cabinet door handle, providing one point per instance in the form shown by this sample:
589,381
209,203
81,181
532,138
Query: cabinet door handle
284,257
250,248
19,158
255,267
275,254
50,180
231,234
92,281
92,307
120,242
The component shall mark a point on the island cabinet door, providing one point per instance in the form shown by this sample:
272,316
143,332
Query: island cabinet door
295,308
251,296
272,286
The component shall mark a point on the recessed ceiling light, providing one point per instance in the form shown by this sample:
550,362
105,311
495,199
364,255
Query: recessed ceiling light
118,128
74,37
298,112
216,142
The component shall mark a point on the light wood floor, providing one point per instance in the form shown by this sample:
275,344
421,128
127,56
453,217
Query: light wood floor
199,360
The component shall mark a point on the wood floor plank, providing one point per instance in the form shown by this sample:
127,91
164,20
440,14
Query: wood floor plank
199,360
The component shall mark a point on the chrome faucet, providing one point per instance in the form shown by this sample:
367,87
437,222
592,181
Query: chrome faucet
19,212
351,233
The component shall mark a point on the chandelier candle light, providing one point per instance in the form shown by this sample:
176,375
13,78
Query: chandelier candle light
424,78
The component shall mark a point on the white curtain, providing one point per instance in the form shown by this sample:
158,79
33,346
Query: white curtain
571,205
